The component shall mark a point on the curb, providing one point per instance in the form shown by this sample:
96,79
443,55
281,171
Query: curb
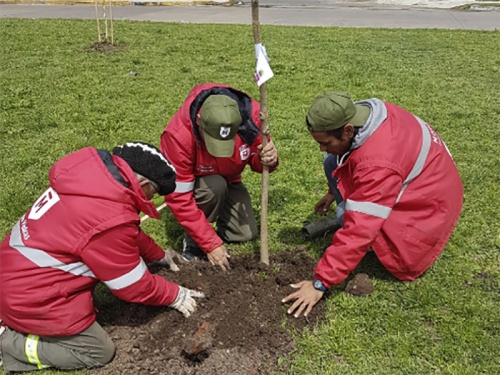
119,2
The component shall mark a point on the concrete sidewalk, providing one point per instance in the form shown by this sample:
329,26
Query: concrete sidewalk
336,14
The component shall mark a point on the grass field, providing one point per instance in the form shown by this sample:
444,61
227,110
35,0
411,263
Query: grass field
57,96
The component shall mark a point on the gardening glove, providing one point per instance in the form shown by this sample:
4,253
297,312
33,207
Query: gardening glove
169,260
184,302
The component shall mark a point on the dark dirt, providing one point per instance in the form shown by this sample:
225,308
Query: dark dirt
240,327
359,285
105,47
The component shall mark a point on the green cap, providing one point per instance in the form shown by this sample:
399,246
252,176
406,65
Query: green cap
220,120
333,110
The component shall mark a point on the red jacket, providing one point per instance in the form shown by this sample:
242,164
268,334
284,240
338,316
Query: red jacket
182,145
82,230
403,197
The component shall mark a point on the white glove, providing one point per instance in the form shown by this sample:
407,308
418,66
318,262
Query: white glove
184,302
169,260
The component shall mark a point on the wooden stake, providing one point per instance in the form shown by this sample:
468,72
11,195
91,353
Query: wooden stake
159,208
264,251
97,19
111,24
105,21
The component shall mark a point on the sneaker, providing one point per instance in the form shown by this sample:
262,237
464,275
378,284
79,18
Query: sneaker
191,252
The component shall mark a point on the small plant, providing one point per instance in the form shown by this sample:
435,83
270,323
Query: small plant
108,33
262,274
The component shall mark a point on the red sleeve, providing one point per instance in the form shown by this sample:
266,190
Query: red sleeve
148,248
114,258
375,191
182,204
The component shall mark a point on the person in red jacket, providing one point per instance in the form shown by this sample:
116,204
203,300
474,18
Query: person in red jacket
397,188
84,229
212,137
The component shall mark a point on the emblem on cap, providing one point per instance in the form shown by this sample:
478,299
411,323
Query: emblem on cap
225,131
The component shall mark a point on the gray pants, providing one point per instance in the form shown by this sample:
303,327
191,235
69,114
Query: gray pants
90,348
228,205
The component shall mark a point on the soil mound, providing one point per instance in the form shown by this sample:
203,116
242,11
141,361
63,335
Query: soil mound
240,327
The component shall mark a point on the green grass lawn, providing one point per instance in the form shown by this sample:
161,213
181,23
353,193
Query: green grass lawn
56,96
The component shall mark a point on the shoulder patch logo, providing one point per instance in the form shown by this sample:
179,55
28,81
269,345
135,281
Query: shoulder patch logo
244,152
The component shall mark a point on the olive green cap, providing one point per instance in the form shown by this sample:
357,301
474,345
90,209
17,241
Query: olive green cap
220,120
333,110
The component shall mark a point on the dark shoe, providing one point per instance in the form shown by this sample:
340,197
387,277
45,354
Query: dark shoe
191,252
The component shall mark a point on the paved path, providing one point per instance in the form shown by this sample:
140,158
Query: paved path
320,14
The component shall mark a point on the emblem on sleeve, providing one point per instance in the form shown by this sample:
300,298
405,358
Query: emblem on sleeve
244,152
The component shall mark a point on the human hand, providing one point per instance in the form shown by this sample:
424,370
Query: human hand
185,302
324,204
218,257
169,260
305,298
268,155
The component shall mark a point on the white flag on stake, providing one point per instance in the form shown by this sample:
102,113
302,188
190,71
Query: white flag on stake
263,71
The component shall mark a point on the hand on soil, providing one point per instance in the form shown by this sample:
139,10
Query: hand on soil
185,302
169,258
305,298
219,257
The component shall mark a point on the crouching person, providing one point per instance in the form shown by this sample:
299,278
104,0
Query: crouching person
82,230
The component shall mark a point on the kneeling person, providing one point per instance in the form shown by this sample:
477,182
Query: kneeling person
82,230
210,140
402,191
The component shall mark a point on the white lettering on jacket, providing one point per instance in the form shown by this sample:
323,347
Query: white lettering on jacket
205,169
24,228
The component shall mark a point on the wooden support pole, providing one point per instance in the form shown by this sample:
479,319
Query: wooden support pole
264,250
111,23
97,20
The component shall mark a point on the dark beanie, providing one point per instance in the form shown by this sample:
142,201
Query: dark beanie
148,161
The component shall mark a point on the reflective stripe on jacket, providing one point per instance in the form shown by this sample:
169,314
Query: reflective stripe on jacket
83,229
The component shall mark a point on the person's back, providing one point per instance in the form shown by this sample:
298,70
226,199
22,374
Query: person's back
83,229
81,201
403,167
